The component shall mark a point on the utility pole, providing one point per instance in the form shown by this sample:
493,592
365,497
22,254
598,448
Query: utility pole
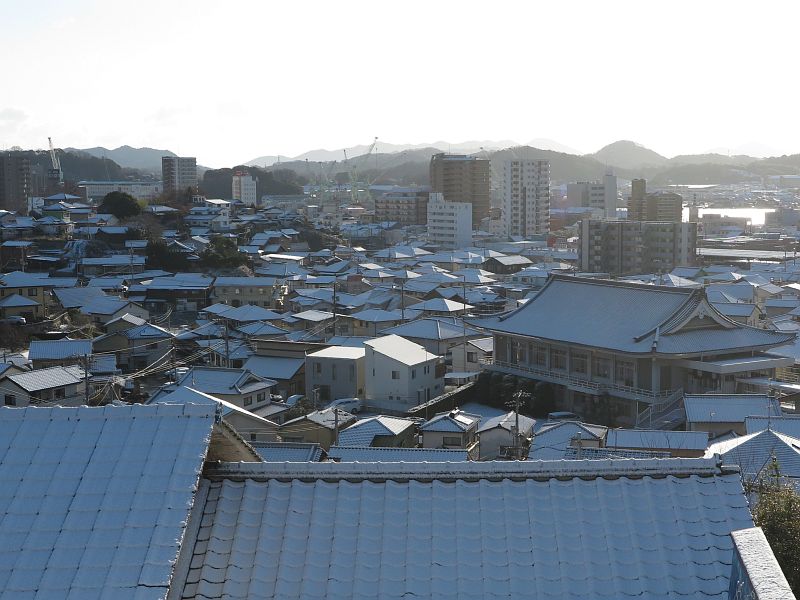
402,299
335,426
463,319
227,346
86,378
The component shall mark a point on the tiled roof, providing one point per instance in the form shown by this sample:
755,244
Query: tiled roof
728,408
566,529
288,451
508,421
754,453
645,439
551,441
786,424
42,379
363,432
455,421
95,500
401,350
628,317
370,454
274,367
17,301
59,349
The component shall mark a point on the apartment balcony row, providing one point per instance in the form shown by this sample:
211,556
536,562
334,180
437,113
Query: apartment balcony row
581,384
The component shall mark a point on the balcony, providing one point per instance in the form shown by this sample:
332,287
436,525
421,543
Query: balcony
586,386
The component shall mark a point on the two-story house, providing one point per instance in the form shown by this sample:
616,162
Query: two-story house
337,372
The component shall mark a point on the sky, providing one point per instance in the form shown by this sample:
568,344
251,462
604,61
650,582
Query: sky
230,81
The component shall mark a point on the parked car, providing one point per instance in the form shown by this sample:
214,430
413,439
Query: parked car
294,399
563,415
351,405
14,320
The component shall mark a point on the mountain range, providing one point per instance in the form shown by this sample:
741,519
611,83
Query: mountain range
144,159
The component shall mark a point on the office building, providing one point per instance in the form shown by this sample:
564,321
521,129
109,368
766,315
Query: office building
15,182
141,190
599,195
656,206
179,173
634,247
403,205
463,178
449,223
525,192
243,187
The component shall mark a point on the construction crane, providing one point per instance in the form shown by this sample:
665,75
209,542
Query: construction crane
54,175
353,170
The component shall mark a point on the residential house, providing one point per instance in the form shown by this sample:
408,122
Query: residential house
370,321
552,440
112,264
259,291
34,286
282,361
103,309
613,349
718,414
501,434
335,372
237,386
21,306
65,386
63,353
400,374
250,426
453,429
677,444
381,431
137,347
319,427
478,353
437,335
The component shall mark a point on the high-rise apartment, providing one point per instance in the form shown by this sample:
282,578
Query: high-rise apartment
405,205
463,178
243,187
15,182
656,206
179,173
449,223
636,247
525,191
600,195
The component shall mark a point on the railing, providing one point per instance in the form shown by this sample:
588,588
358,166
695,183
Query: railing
653,416
588,385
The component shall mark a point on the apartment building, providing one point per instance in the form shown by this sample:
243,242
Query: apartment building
600,195
15,182
141,190
178,173
656,206
449,223
243,188
404,205
525,192
632,247
462,178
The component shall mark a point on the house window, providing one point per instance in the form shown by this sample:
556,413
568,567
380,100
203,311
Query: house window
351,371
10,400
413,373
451,441
248,400
471,357
317,368
333,372
623,373
31,291
237,291
601,367
261,397
579,362
558,359
539,357
395,374
59,393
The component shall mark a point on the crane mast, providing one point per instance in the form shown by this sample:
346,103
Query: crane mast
55,175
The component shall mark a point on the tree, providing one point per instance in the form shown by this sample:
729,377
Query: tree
222,253
120,204
161,256
776,513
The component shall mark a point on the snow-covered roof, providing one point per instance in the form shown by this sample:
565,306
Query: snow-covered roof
508,421
400,349
786,424
99,505
728,408
43,379
274,367
59,349
753,453
629,317
288,451
455,421
363,432
347,352
551,441
383,455
467,530
645,439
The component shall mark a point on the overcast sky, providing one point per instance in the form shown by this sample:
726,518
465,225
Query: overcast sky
228,81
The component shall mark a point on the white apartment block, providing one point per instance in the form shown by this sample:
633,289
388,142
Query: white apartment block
243,187
601,195
449,223
525,192
141,190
